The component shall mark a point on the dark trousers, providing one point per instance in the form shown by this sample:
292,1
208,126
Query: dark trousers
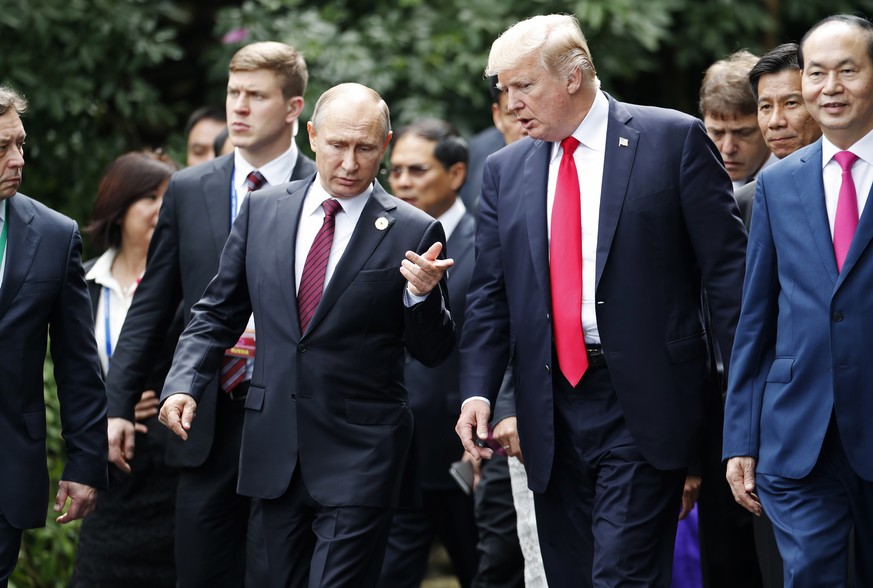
607,517
214,536
10,544
501,562
814,518
309,544
447,514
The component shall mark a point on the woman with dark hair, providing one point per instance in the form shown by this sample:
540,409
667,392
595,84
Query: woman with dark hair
128,540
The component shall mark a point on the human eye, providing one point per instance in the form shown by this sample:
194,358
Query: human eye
764,107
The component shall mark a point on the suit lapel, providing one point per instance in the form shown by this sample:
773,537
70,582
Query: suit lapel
284,226
464,233
365,238
21,244
810,188
215,192
618,160
536,181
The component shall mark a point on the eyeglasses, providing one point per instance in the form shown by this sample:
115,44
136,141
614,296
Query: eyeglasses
416,171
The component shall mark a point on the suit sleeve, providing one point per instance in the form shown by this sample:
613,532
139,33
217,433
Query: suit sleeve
485,343
716,231
150,316
217,320
429,332
754,346
81,394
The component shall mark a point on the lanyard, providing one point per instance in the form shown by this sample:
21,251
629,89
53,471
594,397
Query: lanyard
108,334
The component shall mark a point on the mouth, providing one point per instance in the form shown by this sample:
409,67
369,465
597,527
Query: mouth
239,127
834,107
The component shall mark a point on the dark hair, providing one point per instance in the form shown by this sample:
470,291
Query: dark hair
220,140
782,58
450,147
725,92
849,19
130,177
205,113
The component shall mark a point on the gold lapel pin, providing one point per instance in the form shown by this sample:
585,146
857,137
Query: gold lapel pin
381,223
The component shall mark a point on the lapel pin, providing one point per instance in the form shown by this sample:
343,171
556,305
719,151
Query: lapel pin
381,223
622,142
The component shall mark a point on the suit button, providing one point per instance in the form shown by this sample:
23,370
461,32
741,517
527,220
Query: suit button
548,369
838,316
293,396
301,348
548,317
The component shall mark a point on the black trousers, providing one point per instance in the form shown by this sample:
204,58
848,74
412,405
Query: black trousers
10,543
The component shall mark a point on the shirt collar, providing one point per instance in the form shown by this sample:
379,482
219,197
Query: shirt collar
863,148
452,217
277,171
317,194
3,206
101,271
591,132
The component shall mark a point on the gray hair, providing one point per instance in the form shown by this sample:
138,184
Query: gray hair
9,98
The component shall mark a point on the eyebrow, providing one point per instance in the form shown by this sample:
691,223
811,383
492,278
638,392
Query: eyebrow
848,60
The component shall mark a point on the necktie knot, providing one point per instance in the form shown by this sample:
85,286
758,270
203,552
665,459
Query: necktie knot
569,145
331,207
255,181
846,159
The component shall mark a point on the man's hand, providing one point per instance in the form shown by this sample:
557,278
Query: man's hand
689,495
178,412
146,408
741,477
506,433
477,468
122,436
424,272
474,417
83,499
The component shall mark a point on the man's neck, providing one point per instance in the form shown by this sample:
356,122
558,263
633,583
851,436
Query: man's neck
261,157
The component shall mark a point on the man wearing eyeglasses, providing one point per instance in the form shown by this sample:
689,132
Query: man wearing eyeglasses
428,168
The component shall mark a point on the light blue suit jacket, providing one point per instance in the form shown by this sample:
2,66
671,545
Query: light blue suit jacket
803,343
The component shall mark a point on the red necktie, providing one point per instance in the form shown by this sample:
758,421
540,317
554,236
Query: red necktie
846,220
565,268
233,369
312,280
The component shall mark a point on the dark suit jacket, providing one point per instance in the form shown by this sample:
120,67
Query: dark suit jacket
331,399
668,225
43,293
434,393
745,199
482,145
802,348
183,257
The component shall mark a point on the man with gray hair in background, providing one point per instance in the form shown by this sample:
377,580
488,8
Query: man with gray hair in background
596,235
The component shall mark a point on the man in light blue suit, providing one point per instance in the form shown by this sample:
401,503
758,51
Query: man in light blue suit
800,391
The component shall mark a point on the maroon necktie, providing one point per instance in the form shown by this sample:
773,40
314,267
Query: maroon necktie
233,369
312,280
565,268
846,219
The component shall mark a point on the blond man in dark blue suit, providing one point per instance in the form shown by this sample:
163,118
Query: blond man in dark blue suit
595,237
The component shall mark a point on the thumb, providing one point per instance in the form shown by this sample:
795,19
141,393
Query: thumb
187,415
749,476
433,251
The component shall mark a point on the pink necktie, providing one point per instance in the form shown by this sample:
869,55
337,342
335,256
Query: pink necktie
846,220
315,267
565,268
233,369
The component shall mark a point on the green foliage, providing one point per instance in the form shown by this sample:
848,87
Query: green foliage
47,554
81,64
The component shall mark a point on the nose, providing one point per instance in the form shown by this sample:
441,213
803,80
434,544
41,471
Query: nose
350,161
777,118
513,101
240,103
16,158
729,144
832,83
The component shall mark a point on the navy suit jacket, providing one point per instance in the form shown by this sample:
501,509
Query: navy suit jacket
434,392
43,293
802,345
193,225
331,399
668,225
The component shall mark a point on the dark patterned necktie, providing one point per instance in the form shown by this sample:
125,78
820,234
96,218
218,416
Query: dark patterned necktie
312,280
233,369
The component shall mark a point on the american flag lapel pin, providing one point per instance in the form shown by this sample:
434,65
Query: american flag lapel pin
622,142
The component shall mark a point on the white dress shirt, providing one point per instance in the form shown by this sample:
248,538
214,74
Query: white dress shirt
832,174
3,205
276,172
589,157
311,219
118,302
452,217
